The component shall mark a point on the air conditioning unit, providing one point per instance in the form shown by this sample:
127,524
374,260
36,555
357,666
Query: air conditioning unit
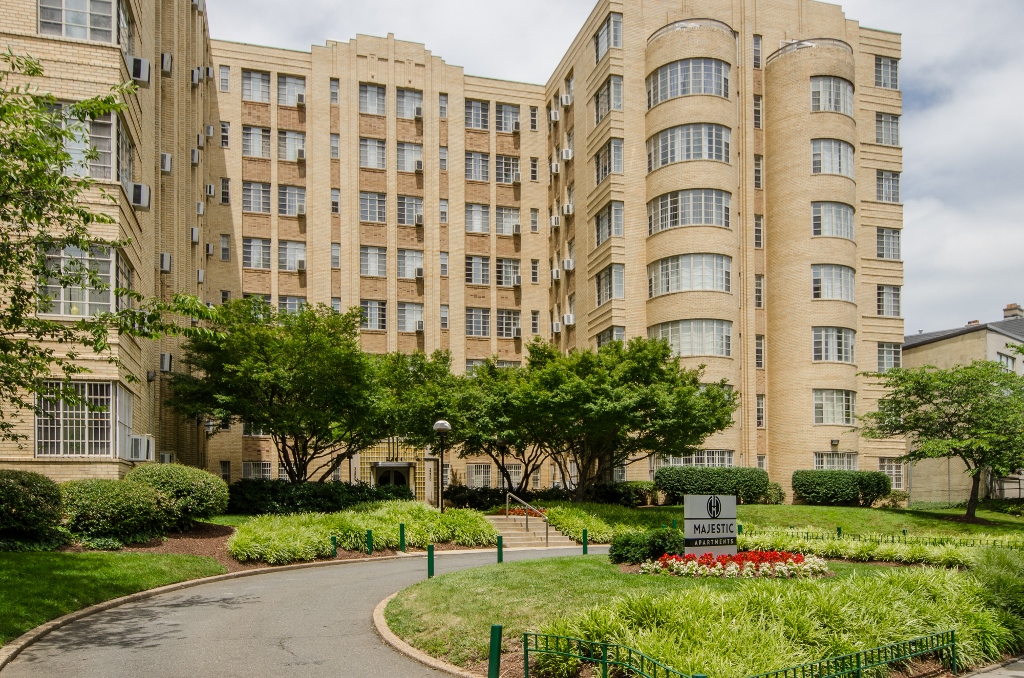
140,448
517,332
195,77
139,69
419,272
554,221
140,195
211,190
209,130
195,156
418,219
554,115
566,154
166,362
517,178
200,73
418,167
569,319
300,210
556,274
556,327
165,262
209,74
419,325
209,249
555,168
300,155
517,281
166,61
201,276
300,99
165,163
167,457
197,4
300,264
517,229
568,209
515,127
568,264
201,140
418,113
194,235
200,208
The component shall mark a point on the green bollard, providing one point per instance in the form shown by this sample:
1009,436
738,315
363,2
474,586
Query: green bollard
674,524
501,555
839,531
334,546
401,537
494,661
739,528
369,542
584,541
430,561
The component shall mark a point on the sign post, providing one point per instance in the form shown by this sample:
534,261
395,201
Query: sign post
709,524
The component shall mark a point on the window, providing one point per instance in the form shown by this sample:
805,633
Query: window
288,89
831,94
289,143
762,462
442,105
1007,362
478,166
82,429
534,220
408,208
256,86
887,185
225,471
608,335
225,247
758,291
255,253
832,406
125,156
477,114
833,344
255,197
533,118
225,78
444,316
478,218
335,92
373,261
372,207
478,270
335,201
686,77
335,255
506,271
375,314
888,243
225,134
608,222
534,169
406,103
758,231
835,461
759,351
832,220
82,298
371,99
443,158
890,356
831,156
889,300
409,316
704,458
757,51
255,469
478,322
77,19
886,72
335,147
291,200
508,322
408,262
506,168
758,171
887,129
608,36
443,218
761,410
611,283
696,337
289,253
444,264
336,304
505,117
225,191
372,153
830,281
535,271
256,142
96,135
504,219
291,304
696,207
758,103
689,272
892,467
688,142
478,475
608,160
608,98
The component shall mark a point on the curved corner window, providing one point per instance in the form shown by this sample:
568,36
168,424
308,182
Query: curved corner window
831,281
686,77
831,156
832,220
702,336
688,142
689,272
832,94
833,344
695,207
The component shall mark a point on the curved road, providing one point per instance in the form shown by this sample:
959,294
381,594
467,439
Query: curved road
306,622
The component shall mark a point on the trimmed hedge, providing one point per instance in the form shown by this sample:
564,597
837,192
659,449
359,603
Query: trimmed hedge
256,496
113,511
486,498
636,547
630,494
192,493
840,488
750,485
30,506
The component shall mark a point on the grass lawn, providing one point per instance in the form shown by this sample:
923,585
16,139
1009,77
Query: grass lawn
36,587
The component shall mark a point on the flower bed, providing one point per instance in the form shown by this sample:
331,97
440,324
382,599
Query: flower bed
520,511
772,564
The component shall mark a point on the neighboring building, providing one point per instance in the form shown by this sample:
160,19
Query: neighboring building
941,479
725,176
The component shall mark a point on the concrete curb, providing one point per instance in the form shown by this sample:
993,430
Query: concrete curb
994,667
385,633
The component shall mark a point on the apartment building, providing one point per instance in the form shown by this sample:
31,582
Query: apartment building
722,175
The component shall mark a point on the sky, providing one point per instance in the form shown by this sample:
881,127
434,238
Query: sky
963,135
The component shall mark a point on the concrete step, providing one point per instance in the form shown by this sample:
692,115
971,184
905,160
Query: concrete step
515,535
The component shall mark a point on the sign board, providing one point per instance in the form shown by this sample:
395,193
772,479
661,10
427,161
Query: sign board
709,524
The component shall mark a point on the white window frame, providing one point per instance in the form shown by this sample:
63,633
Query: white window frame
689,272
835,407
696,337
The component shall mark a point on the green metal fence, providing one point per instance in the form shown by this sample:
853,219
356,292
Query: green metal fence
605,655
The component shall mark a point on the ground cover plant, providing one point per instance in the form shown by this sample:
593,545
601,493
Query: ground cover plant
77,580
747,564
307,536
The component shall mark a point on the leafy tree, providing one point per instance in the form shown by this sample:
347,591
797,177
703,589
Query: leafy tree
974,412
44,208
299,377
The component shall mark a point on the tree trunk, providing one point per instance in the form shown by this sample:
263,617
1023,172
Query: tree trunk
972,503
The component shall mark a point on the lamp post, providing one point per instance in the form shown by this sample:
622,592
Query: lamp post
441,428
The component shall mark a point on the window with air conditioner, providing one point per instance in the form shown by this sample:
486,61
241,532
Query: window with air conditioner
505,117
290,145
506,272
409,207
508,323
506,168
505,218
291,201
289,254
290,90
407,102
410,316
408,156
408,263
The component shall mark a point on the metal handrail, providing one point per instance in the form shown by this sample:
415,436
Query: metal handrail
812,42
529,508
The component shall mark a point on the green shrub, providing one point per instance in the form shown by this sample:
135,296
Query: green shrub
896,499
748,484
256,496
127,512
629,547
840,488
630,494
872,486
30,506
191,493
774,495
660,542
476,498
